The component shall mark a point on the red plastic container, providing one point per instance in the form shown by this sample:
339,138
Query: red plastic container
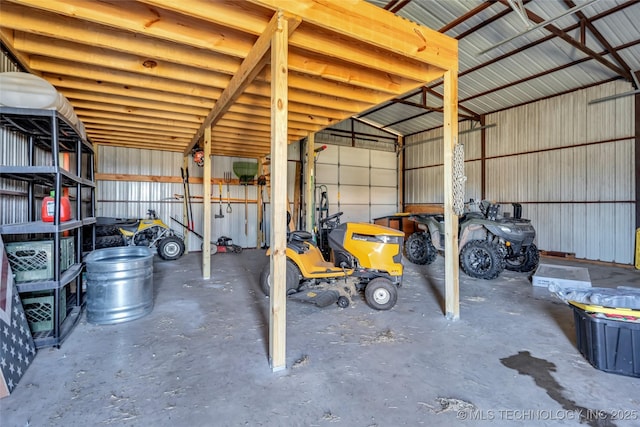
48,208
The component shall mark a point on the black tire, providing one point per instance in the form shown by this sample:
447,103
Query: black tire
419,249
526,261
109,241
107,230
381,294
481,259
292,278
170,248
343,302
237,249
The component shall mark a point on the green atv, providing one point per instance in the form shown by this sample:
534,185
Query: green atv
488,242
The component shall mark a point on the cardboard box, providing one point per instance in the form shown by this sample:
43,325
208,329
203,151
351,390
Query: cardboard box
561,275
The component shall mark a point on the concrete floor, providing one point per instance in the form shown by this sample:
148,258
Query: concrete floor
200,358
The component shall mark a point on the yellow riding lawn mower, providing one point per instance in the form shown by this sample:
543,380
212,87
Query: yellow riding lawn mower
363,257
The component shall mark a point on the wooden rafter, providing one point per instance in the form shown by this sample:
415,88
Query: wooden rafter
249,69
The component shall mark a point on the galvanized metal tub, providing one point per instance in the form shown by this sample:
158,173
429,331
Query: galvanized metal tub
119,284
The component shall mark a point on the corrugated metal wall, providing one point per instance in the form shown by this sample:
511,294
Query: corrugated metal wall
424,167
131,199
570,164
13,151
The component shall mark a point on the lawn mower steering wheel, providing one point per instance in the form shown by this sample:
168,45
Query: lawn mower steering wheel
332,220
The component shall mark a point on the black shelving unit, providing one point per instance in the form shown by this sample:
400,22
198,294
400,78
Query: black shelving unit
52,133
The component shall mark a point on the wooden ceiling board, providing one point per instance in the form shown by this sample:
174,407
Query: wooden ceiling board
140,72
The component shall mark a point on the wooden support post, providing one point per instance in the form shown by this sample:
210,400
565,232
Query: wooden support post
637,158
400,166
279,113
296,198
309,183
206,203
451,284
483,157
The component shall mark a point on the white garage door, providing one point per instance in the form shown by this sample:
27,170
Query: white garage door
360,182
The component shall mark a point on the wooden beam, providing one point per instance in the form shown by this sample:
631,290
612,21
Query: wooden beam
483,157
296,197
91,114
309,184
48,24
320,41
206,197
84,54
315,95
129,136
430,208
125,109
249,69
123,127
129,144
400,166
393,34
98,78
637,157
134,140
278,297
137,178
132,101
452,295
7,38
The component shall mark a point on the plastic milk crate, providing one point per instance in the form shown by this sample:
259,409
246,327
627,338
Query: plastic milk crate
39,306
33,260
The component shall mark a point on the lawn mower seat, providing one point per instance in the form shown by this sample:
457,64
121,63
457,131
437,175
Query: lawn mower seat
297,239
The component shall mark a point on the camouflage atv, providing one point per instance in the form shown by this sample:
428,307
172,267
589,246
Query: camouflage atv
488,243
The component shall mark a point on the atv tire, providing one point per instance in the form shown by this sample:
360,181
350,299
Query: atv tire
107,230
381,294
482,260
526,261
419,249
292,278
109,241
170,248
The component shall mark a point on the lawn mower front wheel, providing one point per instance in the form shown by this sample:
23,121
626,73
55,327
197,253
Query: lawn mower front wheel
381,294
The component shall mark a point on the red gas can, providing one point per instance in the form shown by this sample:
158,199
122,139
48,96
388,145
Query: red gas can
48,208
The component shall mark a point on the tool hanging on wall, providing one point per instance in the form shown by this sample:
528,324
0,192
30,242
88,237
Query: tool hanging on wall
262,181
220,215
191,223
245,171
187,197
227,179
246,211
